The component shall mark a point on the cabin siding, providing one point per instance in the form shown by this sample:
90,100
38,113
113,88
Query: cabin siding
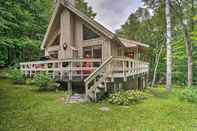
79,36
106,49
65,37
53,48
117,50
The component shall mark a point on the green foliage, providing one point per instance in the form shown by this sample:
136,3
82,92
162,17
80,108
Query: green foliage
29,81
23,24
150,29
22,27
42,81
83,7
189,94
16,75
126,97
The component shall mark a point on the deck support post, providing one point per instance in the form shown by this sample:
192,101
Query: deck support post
69,85
116,87
86,92
120,86
144,82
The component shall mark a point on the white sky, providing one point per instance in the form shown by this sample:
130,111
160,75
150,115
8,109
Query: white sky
113,13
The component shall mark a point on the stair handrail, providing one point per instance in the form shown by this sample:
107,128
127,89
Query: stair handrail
91,76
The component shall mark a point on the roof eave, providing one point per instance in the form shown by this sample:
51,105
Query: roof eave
50,25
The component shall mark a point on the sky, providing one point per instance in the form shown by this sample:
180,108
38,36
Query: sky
113,13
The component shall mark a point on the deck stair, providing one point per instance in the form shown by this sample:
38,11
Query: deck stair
76,98
96,83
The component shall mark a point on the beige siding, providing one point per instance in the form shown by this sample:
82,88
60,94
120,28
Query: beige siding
51,48
115,49
106,49
79,36
66,35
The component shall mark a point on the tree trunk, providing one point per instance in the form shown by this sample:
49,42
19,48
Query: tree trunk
168,46
188,49
156,65
187,39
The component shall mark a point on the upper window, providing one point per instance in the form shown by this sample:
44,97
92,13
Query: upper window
56,41
88,33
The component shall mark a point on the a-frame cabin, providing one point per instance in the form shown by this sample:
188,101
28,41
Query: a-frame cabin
80,50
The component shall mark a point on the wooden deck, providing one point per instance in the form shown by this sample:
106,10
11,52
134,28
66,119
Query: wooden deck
61,70
96,76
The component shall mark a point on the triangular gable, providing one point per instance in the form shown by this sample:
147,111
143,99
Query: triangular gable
90,21
71,8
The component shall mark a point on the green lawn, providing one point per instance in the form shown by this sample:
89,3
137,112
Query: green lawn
23,108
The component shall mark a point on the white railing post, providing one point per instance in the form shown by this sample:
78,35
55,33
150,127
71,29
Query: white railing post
81,70
30,71
124,72
53,66
61,70
70,71
130,68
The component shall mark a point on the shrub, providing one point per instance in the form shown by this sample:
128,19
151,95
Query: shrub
29,82
126,98
16,75
42,81
189,94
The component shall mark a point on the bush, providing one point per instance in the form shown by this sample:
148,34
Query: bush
42,81
16,75
189,94
126,98
29,82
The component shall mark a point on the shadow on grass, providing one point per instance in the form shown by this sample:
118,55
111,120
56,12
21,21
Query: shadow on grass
159,93
37,90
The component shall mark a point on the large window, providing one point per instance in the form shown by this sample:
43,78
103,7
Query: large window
88,33
87,51
92,52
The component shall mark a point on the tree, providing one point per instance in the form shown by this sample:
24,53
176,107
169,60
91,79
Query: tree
83,7
152,31
23,24
148,29
168,45
127,30
182,9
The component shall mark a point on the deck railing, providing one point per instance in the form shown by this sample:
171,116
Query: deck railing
69,69
79,69
128,67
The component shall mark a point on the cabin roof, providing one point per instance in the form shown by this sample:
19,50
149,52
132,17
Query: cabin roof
131,43
65,4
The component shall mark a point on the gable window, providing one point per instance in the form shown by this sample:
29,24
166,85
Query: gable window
88,33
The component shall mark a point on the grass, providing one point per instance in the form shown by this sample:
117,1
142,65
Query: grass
23,108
